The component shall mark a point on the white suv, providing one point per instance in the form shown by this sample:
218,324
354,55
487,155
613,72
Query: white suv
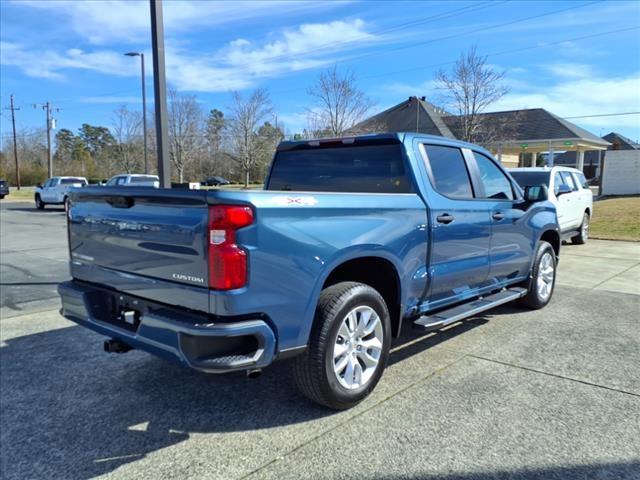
569,191
56,190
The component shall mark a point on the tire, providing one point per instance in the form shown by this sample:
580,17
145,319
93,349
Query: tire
582,237
318,372
39,203
1,197
543,271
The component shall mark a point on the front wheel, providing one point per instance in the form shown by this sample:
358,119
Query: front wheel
39,203
348,348
583,234
543,277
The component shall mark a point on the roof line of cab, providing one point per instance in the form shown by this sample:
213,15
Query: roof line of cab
372,139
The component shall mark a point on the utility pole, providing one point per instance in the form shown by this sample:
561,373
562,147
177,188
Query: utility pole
13,108
160,92
47,107
144,106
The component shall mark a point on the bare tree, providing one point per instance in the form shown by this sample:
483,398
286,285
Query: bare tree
185,131
127,130
247,115
339,103
470,87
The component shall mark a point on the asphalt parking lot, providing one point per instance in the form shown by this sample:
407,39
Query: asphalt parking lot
552,394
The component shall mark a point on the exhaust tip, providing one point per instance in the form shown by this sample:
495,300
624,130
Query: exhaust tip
116,346
254,373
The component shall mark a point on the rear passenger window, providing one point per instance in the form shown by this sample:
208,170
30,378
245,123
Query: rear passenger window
557,181
496,184
581,180
568,179
449,171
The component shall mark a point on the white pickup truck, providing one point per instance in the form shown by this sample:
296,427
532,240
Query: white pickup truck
56,190
134,180
568,191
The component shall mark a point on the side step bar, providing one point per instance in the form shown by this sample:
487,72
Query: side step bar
441,319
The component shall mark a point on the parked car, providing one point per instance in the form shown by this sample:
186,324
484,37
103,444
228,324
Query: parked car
352,240
55,190
4,188
134,180
569,191
214,181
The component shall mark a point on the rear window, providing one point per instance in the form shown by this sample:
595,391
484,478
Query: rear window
142,179
363,169
68,181
531,179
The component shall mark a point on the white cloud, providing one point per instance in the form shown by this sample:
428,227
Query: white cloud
570,70
585,96
48,63
106,21
238,65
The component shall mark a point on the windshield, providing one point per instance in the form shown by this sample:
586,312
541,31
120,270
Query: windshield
364,169
142,179
530,179
69,181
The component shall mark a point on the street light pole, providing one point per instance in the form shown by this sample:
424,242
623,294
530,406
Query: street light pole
160,92
144,106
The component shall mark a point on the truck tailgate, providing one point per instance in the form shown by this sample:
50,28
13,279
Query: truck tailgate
155,233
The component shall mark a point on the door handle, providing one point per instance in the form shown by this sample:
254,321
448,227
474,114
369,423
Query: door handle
444,218
498,216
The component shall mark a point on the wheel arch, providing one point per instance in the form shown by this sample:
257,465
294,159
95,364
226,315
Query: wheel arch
380,274
553,237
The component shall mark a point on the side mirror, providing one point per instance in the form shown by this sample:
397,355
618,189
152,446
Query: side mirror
562,189
536,193
39,185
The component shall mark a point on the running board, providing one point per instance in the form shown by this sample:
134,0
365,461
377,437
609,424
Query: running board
447,317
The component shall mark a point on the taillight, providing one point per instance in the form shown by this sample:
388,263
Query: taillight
227,261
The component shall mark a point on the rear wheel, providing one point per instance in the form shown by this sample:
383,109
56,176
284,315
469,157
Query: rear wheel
543,278
583,234
348,347
39,203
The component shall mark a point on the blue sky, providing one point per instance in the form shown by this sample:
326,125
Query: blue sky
71,54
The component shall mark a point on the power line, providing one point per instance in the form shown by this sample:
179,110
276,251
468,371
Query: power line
468,32
488,55
440,16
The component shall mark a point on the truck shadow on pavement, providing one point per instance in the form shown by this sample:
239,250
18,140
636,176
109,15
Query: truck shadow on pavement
71,411
31,209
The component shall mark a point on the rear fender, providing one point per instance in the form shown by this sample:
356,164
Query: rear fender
345,255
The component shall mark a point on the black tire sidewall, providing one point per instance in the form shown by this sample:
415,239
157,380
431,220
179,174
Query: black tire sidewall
543,248
362,296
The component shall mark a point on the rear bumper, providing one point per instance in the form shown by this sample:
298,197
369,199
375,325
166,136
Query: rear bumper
197,341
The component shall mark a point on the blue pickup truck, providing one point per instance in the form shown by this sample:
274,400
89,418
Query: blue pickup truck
351,240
